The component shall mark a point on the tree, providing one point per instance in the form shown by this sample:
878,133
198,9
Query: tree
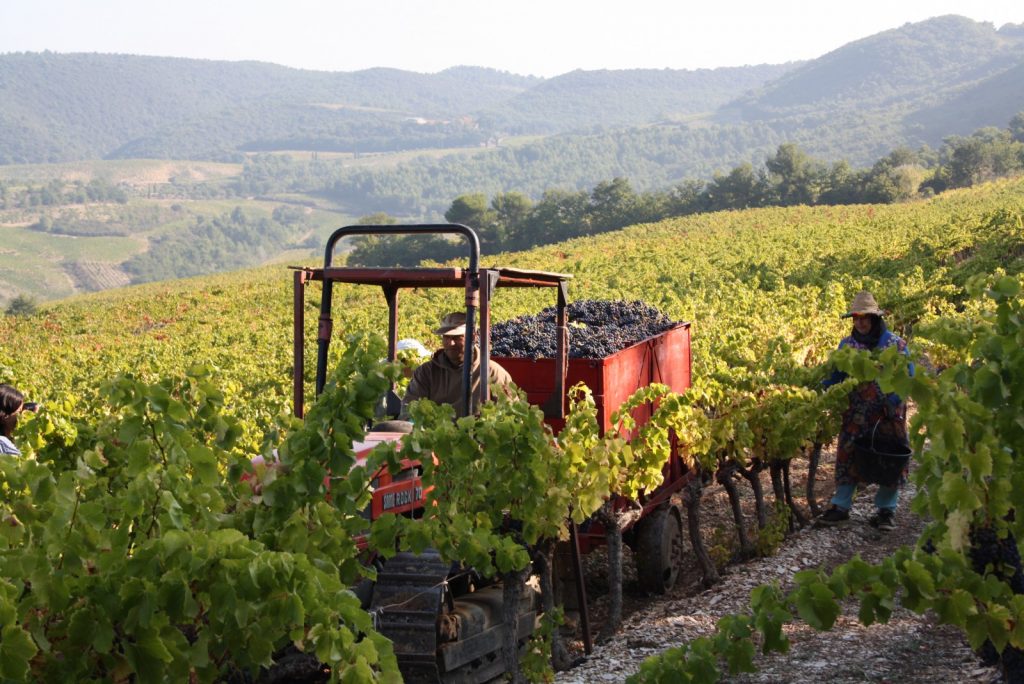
287,215
474,211
1017,127
894,178
560,215
511,210
843,185
740,189
688,197
379,219
22,305
613,204
45,224
988,153
793,176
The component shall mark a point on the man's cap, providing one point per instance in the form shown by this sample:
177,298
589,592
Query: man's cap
453,323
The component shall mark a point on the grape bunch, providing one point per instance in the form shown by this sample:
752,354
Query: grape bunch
999,556
597,329
989,553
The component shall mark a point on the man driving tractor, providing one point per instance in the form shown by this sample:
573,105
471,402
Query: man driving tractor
440,378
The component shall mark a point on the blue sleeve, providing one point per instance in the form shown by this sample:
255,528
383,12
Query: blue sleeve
893,398
837,376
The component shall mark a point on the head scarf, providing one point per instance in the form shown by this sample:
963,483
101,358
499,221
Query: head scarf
871,338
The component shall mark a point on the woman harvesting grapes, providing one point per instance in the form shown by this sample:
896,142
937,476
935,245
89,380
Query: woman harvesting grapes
871,413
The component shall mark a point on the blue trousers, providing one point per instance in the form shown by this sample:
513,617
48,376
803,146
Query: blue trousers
885,497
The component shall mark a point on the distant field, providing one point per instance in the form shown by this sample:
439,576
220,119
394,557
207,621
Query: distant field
386,160
129,171
86,244
31,244
56,265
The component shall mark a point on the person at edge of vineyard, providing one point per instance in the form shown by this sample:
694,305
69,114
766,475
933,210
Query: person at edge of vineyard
440,378
870,410
12,403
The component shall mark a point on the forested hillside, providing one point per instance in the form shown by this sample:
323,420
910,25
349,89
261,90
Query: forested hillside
916,84
921,60
56,107
904,113
581,99
90,226
909,86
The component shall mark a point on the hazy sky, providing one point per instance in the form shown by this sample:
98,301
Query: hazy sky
540,37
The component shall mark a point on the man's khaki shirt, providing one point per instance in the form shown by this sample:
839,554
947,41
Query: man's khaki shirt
441,381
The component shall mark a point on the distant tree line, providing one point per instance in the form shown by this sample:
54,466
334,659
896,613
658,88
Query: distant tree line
269,173
230,241
128,219
58,192
511,220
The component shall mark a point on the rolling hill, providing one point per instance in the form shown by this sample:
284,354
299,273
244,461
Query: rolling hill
325,148
911,85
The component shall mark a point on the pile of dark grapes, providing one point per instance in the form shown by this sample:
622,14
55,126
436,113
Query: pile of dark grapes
597,329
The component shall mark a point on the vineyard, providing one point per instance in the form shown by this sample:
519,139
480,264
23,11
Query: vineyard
133,547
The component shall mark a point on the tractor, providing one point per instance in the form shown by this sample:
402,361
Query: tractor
452,631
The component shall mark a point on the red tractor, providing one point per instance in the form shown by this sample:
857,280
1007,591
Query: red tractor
451,631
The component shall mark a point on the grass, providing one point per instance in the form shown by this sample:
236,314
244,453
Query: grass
31,245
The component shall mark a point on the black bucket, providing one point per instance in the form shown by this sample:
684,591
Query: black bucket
880,462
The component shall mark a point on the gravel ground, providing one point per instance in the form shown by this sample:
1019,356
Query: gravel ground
909,648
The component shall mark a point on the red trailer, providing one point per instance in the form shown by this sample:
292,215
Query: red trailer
657,535
426,651
664,358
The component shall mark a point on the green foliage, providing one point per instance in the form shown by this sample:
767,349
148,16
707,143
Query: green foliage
536,662
466,516
124,550
773,535
968,477
229,241
720,547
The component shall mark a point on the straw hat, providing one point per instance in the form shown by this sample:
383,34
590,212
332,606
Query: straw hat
452,324
863,303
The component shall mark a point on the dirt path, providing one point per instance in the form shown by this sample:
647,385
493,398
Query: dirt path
909,648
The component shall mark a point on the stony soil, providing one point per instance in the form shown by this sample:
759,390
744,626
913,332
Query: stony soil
909,648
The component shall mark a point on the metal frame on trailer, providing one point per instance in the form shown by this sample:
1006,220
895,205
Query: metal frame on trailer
479,285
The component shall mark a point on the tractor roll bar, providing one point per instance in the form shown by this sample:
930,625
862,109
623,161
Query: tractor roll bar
472,289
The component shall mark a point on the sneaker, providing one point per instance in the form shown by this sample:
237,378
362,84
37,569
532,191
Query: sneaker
834,516
884,519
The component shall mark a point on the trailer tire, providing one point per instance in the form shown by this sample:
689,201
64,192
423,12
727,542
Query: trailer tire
659,550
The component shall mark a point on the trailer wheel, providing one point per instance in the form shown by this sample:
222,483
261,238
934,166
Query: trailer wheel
659,549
